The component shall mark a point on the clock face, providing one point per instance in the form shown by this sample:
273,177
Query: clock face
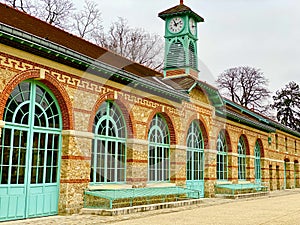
176,24
193,26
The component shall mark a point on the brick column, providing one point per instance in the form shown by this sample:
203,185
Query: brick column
297,174
289,175
272,176
278,177
75,169
233,167
137,162
264,170
250,169
210,173
178,165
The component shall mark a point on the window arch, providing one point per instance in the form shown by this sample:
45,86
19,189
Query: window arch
176,55
108,163
195,153
31,115
242,159
30,149
257,154
222,157
159,150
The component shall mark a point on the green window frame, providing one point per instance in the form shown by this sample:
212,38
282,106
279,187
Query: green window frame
31,139
257,165
195,153
222,157
108,163
242,159
159,150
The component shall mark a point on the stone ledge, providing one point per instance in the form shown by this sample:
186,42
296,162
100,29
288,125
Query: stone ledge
75,133
141,208
240,196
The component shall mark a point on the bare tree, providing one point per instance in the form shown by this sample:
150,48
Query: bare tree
133,43
23,5
55,12
246,86
88,20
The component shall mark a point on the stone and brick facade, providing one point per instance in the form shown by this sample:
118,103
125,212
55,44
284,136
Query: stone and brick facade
80,92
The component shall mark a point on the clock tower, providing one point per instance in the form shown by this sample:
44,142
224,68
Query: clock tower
180,41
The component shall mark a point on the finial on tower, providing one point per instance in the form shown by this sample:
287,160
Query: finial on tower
181,2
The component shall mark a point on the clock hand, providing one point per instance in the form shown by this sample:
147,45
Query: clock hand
175,23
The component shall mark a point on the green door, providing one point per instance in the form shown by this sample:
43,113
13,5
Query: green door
30,153
257,163
195,161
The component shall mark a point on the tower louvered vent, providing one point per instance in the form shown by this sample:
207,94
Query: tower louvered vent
176,55
192,57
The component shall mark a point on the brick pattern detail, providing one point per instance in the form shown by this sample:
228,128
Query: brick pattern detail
56,88
170,73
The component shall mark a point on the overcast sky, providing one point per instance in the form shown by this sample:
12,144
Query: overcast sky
260,33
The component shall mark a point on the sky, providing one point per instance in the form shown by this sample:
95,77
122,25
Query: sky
264,34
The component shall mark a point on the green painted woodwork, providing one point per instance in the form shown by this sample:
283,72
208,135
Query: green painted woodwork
241,159
109,146
30,153
257,166
181,47
195,159
185,31
222,157
158,150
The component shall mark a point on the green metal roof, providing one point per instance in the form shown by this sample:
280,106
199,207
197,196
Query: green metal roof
244,120
262,123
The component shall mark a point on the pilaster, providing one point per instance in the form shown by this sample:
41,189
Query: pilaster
137,162
210,172
75,169
178,165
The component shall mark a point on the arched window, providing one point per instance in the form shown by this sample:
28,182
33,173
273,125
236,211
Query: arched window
159,150
30,151
176,55
241,159
195,153
192,56
109,145
222,158
257,162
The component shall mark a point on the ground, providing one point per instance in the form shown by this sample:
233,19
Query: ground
280,207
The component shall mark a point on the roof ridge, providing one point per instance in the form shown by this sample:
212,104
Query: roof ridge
19,20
